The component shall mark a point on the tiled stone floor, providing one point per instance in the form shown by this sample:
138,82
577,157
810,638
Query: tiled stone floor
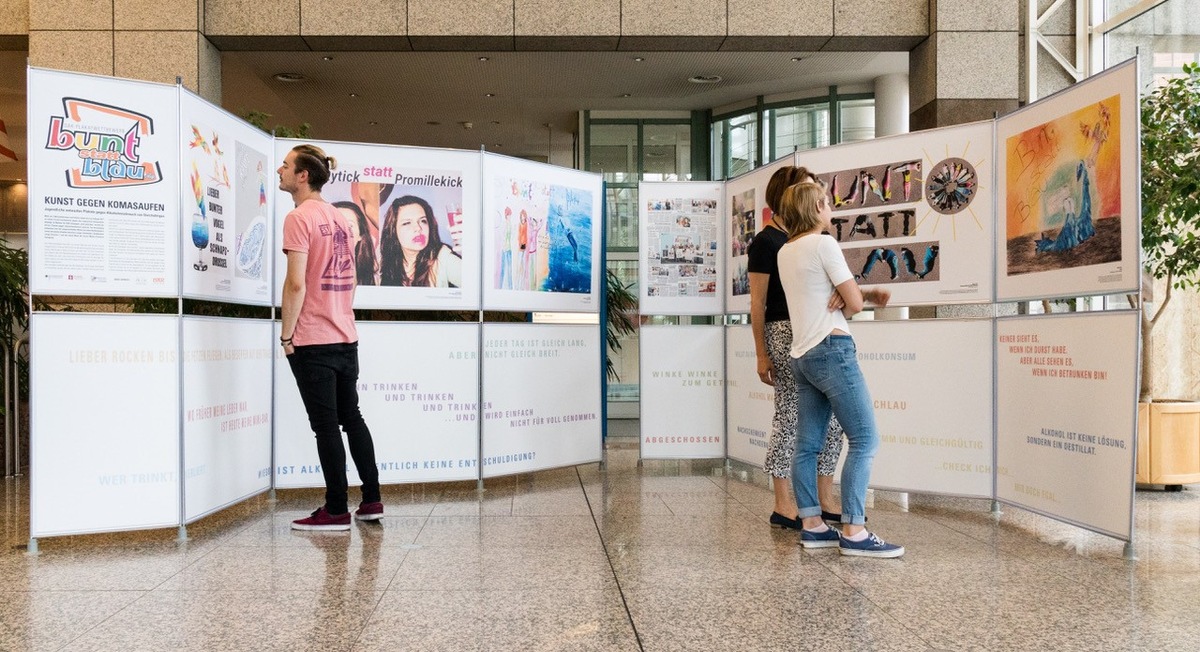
667,556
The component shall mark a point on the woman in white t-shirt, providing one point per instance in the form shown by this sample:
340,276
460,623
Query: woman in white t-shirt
825,366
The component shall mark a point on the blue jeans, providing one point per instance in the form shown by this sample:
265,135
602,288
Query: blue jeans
828,380
327,376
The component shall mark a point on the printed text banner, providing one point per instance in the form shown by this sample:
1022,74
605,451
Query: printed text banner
103,195
1067,411
751,402
914,212
931,384
683,392
418,391
227,412
682,264
105,418
414,221
1068,187
541,238
227,187
541,397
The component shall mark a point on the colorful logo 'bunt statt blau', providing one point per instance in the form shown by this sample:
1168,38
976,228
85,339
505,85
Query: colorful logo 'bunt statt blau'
107,139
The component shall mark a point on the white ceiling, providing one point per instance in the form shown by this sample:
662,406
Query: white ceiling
404,91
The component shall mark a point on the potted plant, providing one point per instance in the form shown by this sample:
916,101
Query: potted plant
1169,433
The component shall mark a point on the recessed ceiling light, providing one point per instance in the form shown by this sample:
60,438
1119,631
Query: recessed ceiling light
489,95
705,79
372,123
484,58
327,58
626,95
354,95
639,58
797,58
289,77
497,145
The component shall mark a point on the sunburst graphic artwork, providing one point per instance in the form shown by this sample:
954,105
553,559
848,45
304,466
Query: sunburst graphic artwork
951,186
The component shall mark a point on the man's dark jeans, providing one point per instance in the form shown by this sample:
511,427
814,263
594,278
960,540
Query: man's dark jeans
327,376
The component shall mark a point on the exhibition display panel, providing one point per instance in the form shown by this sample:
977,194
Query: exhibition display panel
104,410
1069,184
750,403
931,384
104,186
543,415
227,173
541,237
227,412
681,225
408,208
683,392
1066,430
914,212
144,190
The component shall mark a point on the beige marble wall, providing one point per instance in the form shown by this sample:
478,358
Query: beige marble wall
969,66
152,40
14,24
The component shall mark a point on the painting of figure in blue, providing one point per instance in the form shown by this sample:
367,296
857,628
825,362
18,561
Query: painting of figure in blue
1076,227
570,226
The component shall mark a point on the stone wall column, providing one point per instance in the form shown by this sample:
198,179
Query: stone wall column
969,67
151,40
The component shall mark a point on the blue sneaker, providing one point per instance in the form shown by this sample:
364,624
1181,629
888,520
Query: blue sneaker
827,539
872,546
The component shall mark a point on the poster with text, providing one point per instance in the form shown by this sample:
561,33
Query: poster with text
227,188
105,423
746,212
414,220
750,402
683,392
680,242
541,397
418,390
226,412
931,385
1066,400
914,213
103,186
541,241
1069,188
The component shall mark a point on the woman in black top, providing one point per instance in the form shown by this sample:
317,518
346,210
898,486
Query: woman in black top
772,339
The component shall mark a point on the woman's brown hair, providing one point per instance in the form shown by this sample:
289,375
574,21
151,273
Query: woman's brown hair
800,206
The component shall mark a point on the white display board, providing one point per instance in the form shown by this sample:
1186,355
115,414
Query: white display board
915,213
750,403
682,392
418,389
682,264
226,412
227,190
415,217
103,198
105,423
541,241
745,213
541,397
1069,186
1066,422
931,384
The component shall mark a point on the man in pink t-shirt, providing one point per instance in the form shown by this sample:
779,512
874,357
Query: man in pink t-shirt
320,340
